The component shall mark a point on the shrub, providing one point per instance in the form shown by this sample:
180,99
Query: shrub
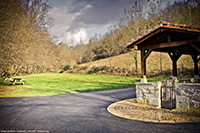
99,70
65,68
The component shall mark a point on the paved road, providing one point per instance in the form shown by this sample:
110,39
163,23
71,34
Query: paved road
83,112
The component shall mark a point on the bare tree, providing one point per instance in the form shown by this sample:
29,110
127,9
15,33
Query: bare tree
22,31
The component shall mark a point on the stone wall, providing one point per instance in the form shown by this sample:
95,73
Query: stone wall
188,95
170,94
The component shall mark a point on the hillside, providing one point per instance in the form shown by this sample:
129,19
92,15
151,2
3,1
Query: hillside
124,64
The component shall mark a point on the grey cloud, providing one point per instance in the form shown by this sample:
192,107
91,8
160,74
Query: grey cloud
84,15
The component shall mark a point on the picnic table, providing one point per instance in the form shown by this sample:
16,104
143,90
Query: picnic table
8,77
15,80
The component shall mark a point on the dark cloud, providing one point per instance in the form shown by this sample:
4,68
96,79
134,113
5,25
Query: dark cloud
102,12
77,6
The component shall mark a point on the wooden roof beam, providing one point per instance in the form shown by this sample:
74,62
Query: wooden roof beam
171,44
169,38
147,53
136,47
174,56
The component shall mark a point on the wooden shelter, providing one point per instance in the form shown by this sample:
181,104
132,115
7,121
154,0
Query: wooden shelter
174,39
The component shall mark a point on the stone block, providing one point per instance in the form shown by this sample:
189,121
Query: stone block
182,102
194,105
154,101
139,93
151,91
157,93
140,100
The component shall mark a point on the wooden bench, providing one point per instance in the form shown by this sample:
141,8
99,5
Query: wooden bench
15,80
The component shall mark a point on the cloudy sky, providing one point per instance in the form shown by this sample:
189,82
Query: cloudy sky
75,20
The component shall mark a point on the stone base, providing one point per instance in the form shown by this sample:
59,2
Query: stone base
143,80
196,76
174,78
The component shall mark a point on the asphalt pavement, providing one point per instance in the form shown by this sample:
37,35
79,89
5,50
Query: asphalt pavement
81,112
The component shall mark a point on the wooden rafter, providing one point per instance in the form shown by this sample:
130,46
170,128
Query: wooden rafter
182,30
198,49
147,37
181,34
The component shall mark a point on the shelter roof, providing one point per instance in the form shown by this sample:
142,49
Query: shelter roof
167,37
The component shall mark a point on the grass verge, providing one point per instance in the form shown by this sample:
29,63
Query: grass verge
55,84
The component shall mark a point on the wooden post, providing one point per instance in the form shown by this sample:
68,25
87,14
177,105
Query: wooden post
174,68
144,55
143,66
174,57
195,60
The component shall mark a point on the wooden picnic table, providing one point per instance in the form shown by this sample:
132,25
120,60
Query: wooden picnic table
8,77
15,80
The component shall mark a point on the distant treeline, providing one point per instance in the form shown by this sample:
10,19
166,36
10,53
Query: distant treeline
26,46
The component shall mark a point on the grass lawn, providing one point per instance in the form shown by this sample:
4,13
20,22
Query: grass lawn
56,83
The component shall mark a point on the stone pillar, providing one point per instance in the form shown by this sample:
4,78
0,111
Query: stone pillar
174,78
149,93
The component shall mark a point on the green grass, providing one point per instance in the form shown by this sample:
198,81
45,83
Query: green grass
55,84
